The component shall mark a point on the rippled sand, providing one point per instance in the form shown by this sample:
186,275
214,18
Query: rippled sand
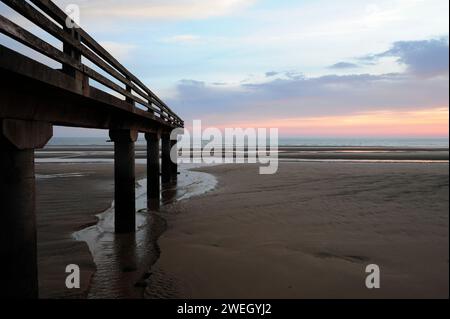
308,232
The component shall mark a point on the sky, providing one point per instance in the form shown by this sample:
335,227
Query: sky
350,68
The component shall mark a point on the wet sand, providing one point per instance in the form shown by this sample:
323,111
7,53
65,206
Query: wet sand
76,226
68,198
308,232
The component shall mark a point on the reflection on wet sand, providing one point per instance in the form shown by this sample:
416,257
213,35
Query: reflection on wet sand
168,193
123,261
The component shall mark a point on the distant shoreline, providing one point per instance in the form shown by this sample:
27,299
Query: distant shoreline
105,152
426,142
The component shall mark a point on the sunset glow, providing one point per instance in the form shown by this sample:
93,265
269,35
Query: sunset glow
419,123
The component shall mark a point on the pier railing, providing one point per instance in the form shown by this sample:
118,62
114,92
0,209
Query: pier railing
77,44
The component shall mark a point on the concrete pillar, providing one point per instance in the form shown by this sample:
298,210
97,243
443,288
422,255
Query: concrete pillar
125,180
174,163
18,249
153,171
166,163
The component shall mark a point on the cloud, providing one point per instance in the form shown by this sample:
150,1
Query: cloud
271,73
426,58
343,65
293,75
158,9
319,96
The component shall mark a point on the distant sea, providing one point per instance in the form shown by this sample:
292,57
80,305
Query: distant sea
289,141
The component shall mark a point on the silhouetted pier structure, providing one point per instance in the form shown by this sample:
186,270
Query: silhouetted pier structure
34,97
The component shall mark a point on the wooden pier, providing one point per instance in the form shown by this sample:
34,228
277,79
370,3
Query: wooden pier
34,97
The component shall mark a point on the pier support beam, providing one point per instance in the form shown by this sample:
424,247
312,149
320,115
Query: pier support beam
153,171
174,163
18,267
125,180
166,163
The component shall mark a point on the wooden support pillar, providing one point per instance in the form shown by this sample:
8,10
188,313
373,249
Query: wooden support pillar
174,163
166,163
18,249
153,171
125,180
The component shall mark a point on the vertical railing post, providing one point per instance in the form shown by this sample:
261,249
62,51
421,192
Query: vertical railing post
124,180
69,50
129,90
18,249
153,171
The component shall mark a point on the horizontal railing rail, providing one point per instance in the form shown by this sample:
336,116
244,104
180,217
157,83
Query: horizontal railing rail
78,43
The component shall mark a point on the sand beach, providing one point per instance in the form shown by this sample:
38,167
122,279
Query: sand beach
308,231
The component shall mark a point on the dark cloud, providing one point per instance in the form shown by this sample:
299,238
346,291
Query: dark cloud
296,97
343,65
191,83
425,58
271,73
196,98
